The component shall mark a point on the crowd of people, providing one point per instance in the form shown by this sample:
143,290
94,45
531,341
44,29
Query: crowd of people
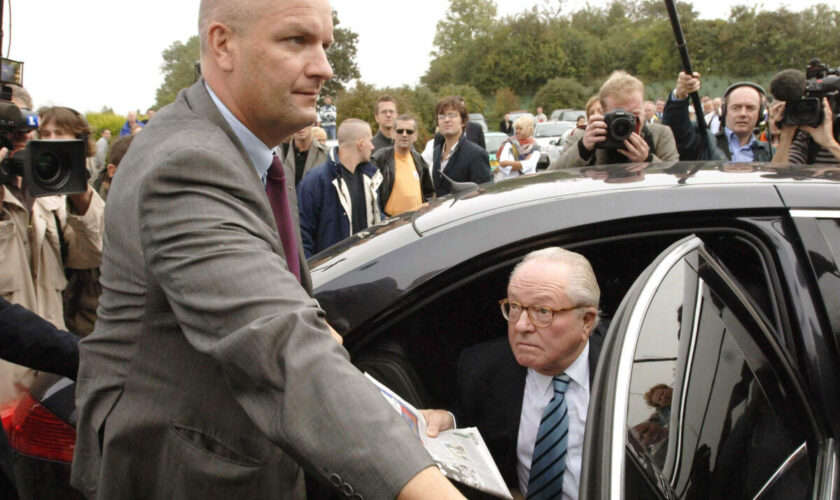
226,167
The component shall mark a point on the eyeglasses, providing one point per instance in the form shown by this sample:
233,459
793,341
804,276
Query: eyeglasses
451,115
401,131
541,316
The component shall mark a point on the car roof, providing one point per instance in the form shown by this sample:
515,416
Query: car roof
449,230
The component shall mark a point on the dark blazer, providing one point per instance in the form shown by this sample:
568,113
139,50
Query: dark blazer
475,134
491,385
469,162
29,340
211,372
384,160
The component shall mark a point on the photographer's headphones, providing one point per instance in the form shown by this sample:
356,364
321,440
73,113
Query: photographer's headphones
762,99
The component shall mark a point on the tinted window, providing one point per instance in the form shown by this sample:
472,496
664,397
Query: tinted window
704,419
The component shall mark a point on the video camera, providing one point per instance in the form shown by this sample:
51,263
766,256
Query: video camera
803,94
48,167
620,125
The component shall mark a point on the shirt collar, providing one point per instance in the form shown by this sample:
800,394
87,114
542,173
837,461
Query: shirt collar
578,371
260,154
735,141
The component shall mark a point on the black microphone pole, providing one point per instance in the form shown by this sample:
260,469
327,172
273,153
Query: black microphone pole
686,62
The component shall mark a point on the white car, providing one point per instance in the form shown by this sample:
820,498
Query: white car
549,135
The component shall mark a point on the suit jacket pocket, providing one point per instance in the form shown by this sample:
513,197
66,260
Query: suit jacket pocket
209,444
201,466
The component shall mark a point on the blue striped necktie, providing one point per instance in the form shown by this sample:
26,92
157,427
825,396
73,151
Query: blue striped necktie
549,459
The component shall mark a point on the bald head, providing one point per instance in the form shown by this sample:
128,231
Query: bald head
351,130
237,15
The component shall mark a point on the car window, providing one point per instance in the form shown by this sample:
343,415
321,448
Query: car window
702,411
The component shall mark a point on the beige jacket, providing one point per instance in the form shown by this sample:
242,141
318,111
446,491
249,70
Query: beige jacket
664,149
31,270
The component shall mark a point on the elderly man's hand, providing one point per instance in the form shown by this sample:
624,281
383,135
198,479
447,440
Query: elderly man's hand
636,148
686,85
436,421
596,131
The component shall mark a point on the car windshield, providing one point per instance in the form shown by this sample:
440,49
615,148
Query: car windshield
552,129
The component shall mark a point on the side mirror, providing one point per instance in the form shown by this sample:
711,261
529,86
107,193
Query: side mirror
553,142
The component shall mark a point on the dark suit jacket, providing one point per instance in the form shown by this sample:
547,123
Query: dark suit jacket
468,162
491,385
29,340
211,373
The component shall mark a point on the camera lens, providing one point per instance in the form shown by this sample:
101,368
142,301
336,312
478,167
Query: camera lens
48,170
621,128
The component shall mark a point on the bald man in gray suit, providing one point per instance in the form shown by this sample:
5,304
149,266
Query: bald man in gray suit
211,372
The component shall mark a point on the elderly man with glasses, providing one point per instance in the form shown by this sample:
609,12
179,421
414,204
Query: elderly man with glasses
406,179
529,394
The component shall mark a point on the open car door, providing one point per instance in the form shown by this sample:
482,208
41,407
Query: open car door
695,398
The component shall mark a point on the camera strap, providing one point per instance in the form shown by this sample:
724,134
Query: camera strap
62,244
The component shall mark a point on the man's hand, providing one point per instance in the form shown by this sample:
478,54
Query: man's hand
686,84
596,131
334,334
777,111
824,133
636,149
81,202
436,421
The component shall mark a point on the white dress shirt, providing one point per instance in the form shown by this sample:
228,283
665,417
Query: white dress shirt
538,393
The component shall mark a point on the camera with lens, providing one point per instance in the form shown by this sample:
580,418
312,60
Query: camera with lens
821,81
48,167
620,125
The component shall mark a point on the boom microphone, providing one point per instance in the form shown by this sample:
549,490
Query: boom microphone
788,85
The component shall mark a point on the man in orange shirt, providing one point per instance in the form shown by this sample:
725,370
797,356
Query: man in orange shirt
406,179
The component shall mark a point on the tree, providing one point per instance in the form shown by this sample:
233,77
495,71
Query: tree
465,22
506,101
179,70
562,93
342,58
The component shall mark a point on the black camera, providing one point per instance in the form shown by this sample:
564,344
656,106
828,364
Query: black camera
620,125
821,81
48,167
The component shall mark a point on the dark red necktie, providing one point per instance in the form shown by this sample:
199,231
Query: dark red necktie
275,188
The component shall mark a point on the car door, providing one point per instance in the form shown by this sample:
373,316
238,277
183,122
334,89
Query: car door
695,398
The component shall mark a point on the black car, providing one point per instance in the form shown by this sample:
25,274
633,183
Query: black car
721,284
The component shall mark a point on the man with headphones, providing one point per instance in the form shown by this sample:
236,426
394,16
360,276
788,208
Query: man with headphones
743,107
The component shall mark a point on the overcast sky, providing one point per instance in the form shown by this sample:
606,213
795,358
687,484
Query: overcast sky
87,54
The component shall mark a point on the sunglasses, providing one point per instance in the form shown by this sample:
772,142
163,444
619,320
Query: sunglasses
401,131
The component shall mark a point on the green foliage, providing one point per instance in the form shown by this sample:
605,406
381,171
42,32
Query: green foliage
506,101
105,119
562,93
342,58
178,69
523,52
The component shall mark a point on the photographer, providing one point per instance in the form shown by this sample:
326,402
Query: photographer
742,106
40,237
806,145
604,142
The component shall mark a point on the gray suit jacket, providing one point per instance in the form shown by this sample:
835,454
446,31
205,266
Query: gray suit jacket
211,373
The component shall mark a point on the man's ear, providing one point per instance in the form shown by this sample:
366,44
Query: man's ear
219,40
589,320
112,169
